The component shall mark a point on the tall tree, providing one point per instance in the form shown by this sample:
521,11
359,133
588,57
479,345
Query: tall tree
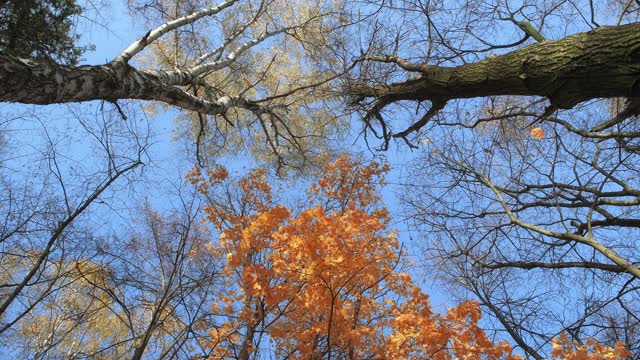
525,193
264,72
48,207
504,206
324,283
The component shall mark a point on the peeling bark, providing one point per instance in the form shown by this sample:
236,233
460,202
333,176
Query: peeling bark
601,63
42,82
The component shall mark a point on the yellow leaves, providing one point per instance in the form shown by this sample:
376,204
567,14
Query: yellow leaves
335,260
567,349
537,133
405,278
468,310
331,266
350,183
218,174
300,262
404,319
215,177
81,309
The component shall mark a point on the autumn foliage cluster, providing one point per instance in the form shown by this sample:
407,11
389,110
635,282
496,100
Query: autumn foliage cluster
567,349
324,282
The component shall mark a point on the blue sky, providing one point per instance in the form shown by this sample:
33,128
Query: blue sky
123,30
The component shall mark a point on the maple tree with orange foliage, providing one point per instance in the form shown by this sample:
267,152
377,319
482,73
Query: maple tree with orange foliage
324,282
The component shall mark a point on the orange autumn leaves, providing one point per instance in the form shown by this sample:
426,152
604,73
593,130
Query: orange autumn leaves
537,133
325,281
567,349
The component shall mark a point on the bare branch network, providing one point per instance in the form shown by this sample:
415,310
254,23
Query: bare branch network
32,81
602,63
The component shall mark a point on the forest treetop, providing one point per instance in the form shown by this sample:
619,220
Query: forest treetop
524,115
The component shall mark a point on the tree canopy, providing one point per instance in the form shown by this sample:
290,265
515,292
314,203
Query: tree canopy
520,198
40,29
528,173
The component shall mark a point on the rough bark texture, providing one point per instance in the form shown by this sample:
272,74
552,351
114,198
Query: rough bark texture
598,64
601,63
33,81
43,82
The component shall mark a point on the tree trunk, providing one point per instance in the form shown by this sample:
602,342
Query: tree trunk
601,63
42,82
